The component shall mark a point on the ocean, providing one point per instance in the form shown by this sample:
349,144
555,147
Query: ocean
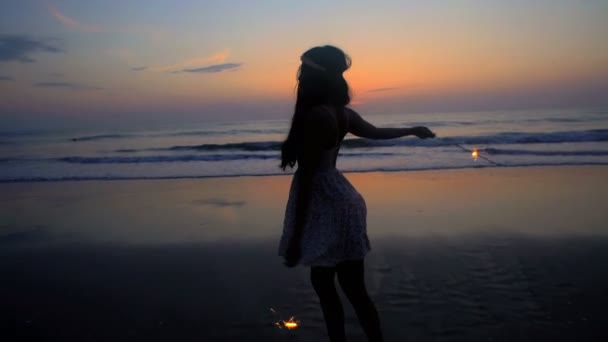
503,138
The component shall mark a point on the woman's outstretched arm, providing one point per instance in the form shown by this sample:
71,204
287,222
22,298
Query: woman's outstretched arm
361,128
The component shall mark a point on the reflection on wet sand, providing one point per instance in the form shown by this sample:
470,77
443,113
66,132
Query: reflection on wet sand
502,254
504,287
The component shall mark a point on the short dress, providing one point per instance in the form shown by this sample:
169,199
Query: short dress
335,226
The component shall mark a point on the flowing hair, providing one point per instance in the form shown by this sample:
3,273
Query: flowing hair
320,82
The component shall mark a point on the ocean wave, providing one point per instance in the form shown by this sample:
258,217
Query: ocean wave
10,160
243,146
102,137
199,157
226,132
221,157
205,133
498,151
381,169
506,138
236,131
265,130
163,159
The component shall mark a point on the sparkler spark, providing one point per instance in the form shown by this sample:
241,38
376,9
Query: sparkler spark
289,324
475,154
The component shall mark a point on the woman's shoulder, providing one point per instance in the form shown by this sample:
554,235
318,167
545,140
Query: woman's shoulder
321,114
330,113
322,111
350,113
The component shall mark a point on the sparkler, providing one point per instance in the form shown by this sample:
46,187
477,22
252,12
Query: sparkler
289,324
475,154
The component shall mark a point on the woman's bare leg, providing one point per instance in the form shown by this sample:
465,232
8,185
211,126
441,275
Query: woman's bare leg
322,279
352,281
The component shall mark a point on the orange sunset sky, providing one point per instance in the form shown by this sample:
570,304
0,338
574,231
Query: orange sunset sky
93,61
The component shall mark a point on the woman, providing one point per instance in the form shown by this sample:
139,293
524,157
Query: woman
325,220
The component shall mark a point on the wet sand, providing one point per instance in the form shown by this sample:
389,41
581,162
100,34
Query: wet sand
513,254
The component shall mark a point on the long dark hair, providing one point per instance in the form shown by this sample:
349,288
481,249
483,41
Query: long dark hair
320,82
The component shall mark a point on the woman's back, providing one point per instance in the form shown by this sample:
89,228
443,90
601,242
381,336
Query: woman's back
323,130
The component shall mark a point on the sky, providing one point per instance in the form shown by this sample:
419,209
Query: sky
96,62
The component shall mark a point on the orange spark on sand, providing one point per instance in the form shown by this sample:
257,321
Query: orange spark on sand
289,324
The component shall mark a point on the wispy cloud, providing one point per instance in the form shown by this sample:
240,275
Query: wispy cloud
67,86
213,63
18,48
71,22
6,78
153,33
215,68
375,90
216,58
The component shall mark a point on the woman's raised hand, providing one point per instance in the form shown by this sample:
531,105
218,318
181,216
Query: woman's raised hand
423,132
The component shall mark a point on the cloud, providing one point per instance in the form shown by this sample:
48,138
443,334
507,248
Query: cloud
6,78
153,33
18,48
71,22
381,89
215,63
215,68
216,58
66,85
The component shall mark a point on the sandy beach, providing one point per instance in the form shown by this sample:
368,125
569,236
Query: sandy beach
488,254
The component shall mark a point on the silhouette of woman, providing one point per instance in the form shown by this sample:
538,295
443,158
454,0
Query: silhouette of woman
325,219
